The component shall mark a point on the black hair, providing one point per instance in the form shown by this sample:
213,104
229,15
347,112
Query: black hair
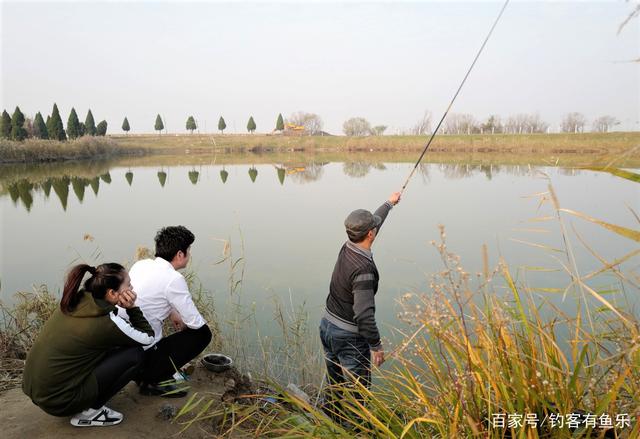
103,278
170,240
357,238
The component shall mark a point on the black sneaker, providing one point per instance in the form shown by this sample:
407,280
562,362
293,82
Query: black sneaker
166,389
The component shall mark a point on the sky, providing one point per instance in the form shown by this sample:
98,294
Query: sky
386,62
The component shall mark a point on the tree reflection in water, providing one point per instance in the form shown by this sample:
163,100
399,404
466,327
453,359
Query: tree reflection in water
194,176
360,169
162,178
224,175
253,174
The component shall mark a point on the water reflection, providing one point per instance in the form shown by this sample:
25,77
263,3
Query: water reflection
194,176
46,187
78,185
95,185
465,170
281,174
20,185
306,173
360,169
21,191
162,178
61,188
253,174
224,175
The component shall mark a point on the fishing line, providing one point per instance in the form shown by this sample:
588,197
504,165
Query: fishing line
454,97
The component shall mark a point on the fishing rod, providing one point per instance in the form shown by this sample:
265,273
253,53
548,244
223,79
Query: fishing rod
454,98
399,349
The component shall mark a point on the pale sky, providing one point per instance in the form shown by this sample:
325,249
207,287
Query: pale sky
386,62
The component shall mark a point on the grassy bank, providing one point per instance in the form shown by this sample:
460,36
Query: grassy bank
84,148
589,149
538,144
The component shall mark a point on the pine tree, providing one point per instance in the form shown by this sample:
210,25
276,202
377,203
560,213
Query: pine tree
101,129
125,126
73,125
5,125
55,127
129,177
221,124
82,129
251,125
90,124
193,176
280,123
17,126
39,127
191,124
159,126
224,175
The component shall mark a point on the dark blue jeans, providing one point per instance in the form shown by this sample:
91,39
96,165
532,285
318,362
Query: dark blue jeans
347,355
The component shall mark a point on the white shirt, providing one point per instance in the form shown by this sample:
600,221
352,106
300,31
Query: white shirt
161,289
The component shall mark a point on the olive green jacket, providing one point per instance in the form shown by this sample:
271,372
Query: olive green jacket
58,374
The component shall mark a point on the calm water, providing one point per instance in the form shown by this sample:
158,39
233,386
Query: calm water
290,222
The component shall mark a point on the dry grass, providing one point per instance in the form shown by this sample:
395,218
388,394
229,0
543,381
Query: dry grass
19,327
545,144
37,150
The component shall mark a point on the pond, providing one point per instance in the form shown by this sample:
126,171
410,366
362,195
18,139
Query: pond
285,220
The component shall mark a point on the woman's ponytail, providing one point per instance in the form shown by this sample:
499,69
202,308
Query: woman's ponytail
70,296
103,278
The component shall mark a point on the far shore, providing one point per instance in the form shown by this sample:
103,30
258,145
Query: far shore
582,149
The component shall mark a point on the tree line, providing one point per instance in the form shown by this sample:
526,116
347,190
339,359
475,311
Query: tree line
17,127
524,123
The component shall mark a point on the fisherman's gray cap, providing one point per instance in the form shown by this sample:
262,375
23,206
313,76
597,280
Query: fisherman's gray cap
359,222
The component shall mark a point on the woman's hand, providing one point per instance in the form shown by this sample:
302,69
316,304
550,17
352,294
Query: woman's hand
127,299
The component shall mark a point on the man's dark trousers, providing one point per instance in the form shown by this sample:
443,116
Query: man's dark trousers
346,353
171,353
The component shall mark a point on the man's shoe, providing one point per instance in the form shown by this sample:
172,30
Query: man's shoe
102,417
169,389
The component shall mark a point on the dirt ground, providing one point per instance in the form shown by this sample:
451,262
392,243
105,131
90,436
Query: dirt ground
20,418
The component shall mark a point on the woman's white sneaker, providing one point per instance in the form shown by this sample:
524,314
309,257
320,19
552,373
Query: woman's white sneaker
102,417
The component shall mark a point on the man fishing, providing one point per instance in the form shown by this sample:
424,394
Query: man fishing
348,328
